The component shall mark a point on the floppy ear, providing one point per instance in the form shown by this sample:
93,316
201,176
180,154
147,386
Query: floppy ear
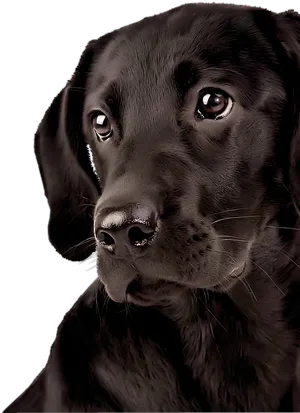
283,32
288,24
69,182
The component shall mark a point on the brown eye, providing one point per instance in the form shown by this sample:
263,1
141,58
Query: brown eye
214,104
101,126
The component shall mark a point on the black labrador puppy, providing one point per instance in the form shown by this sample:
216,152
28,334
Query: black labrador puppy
174,151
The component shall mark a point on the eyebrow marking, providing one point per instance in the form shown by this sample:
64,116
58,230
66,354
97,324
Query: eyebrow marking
112,98
186,74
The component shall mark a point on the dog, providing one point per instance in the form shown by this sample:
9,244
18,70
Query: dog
174,153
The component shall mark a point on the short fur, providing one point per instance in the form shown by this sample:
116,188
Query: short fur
226,190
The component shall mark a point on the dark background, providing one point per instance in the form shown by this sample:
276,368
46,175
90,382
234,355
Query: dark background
38,286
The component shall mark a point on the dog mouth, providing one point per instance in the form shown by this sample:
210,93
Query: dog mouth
143,294
144,290
150,282
164,291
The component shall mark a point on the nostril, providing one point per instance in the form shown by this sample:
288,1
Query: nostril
106,240
140,235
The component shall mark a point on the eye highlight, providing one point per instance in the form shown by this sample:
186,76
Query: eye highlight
101,126
213,104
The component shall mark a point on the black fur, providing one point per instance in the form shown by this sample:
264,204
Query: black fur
192,337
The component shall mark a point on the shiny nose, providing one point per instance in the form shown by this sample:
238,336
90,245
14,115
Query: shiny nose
131,228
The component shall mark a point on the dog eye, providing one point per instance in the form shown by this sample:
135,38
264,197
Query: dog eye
213,104
101,126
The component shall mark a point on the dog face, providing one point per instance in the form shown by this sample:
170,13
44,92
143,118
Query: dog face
191,121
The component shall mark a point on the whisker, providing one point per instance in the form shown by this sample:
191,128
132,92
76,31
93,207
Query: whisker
77,88
96,289
127,307
86,205
224,278
233,239
248,287
212,314
91,267
274,226
89,259
94,267
206,298
228,254
231,236
206,295
80,211
82,243
194,296
257,265
270,278
213,336
245,283
237,217
105,302
236,239
226,211
285,187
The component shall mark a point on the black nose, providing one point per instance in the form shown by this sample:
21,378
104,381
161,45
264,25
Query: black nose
131,228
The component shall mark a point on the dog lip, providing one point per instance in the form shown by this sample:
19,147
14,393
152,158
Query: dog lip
237,271
142,294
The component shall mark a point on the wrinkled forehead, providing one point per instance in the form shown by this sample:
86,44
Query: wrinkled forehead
187,45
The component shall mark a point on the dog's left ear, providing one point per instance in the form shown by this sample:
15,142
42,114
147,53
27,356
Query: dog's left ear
282,30
288,33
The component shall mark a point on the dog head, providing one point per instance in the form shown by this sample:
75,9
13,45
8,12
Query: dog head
175,138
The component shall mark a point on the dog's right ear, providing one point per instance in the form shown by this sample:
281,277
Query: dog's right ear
70,185
283,32
288,24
